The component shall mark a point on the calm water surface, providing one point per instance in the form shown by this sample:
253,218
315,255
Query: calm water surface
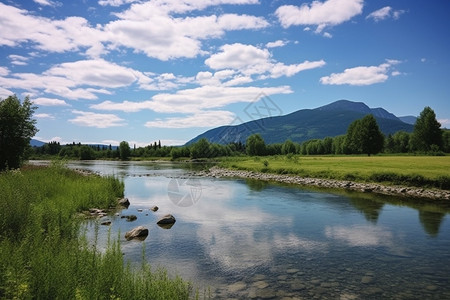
254,240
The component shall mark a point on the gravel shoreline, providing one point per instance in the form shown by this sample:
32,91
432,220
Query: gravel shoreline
333,183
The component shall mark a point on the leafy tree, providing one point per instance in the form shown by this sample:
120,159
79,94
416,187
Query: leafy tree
364,136
255,145
288,147
17,127
427,131
446,141
86,153
124,150
201,149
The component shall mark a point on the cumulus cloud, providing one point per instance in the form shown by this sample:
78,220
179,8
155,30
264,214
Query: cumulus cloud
200,119
278,43
147,27
250,60
384,13
362,75
322,14
151,28
90,119
20,26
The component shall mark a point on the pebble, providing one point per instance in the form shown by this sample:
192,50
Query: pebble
237,286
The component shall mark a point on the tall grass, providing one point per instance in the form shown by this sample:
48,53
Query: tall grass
42,255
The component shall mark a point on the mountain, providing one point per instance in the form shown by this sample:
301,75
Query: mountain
36,143
306,124
409,119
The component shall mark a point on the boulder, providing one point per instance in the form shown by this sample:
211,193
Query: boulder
154,208
124,202
167,219
139,233
131,218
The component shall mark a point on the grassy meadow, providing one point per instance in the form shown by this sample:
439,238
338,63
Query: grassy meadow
43,255
426,171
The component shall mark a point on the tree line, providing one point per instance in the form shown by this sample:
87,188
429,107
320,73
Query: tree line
363,136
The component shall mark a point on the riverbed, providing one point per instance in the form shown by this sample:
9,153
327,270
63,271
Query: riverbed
250,239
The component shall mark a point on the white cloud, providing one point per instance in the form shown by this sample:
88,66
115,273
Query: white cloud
84,79
151,29
49,102
4,71
250,60
44,116
384,13
444,122
280,69
18,60
47,3
115,2
360,75
278,43
195,100
20,26
322,14
90,119
95,73
200,119
4,93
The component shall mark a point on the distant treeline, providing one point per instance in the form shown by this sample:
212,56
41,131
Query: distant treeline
363,137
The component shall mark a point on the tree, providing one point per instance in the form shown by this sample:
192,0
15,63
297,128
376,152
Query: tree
427,131
364,136
288,147
124,150
255,145
17,127
201,149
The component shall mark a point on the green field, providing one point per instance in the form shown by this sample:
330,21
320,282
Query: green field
431,171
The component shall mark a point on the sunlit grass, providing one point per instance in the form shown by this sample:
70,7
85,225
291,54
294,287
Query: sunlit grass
413,170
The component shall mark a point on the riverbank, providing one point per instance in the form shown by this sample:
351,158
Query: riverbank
404,191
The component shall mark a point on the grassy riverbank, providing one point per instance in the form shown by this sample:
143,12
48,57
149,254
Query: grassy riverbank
42,255
421,171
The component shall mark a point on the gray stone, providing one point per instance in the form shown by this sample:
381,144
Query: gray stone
167,219
154,208
139,232
124,202
237,286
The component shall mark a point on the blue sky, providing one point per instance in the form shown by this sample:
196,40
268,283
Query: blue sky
141,71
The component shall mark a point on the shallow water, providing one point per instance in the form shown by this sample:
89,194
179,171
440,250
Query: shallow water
250,239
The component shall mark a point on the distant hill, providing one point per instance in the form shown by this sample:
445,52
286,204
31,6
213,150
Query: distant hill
36,143
409,119
306,124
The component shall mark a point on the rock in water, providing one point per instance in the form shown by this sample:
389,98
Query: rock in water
139,233
154,208
167,219
124,202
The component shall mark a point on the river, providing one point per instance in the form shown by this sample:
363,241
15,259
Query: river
249,239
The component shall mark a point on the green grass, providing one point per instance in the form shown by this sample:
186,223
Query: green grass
427,171
43,256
